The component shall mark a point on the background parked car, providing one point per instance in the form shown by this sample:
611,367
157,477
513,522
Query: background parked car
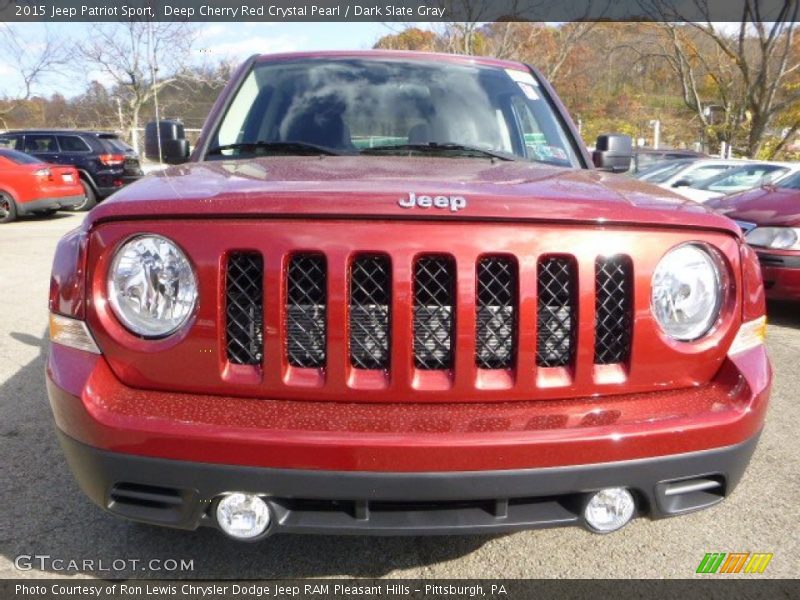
644,158
679,174
738,180
29,186
104,162
770,218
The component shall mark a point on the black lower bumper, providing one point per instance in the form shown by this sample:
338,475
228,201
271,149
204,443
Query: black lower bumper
181,494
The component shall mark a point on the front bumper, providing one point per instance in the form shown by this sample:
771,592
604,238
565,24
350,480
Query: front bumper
412,468
181,494
781,274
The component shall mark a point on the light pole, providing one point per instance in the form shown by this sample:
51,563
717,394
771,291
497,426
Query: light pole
153,73
656,125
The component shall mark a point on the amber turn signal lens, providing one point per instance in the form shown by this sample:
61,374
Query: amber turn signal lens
71,333
750,334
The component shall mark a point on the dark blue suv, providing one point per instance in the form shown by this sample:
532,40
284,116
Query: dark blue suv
105,163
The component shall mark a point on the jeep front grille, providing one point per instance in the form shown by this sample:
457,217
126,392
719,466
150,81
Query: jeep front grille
555,323
426,320
496,302
434,281
370,300
244,308
612,338
306,310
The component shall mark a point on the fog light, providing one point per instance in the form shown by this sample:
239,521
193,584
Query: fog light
609,510
243,516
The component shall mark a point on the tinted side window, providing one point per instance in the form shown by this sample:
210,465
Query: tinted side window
72,143
9,141
40,143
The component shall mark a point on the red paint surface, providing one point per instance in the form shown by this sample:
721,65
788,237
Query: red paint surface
765,206
23,185
769,206
369,187
784,284
91,405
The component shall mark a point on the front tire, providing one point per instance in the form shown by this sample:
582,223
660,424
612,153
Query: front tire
91,198
8,209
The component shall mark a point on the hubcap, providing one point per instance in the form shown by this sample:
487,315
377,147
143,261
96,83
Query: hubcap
5,207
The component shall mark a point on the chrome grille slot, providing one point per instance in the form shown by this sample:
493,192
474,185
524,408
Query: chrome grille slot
496,302
555,328
434,305
244,308
306,310
370,302
613,291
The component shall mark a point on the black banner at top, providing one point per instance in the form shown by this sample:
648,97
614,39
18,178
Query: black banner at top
397,10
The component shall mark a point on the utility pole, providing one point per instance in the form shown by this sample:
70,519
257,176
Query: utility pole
119,114
656,125
153,74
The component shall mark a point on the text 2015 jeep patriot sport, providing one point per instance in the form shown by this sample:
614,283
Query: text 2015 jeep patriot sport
390,294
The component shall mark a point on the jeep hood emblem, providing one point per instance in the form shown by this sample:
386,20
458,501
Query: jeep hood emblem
454,203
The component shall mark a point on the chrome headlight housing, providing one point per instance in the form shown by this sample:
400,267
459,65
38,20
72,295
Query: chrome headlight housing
686,295
152,286
781,238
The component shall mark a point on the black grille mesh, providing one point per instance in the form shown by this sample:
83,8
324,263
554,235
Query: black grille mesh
244,307
495,307
370,301
555,333
434,281
612,336
306,310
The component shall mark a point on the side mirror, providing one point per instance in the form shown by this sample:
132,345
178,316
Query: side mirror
613,152
174,147
682,183
175,152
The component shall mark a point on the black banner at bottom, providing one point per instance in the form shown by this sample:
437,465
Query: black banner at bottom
395,589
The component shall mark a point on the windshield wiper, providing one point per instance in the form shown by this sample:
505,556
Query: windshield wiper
457,149
301,148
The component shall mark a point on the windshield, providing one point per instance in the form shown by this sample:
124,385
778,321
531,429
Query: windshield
352,106
662,171
115,144
19,157
742,178
792,182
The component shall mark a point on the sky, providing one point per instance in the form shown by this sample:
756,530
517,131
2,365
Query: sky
215,40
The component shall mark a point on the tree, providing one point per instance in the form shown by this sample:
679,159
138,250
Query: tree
32,62
140,58
748,70
548,48
412,38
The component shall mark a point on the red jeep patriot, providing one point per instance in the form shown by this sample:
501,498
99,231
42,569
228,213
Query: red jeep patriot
389,294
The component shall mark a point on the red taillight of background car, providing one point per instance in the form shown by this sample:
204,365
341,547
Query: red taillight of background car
111,160
44,174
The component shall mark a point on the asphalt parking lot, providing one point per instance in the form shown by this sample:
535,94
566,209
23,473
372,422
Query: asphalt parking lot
44,513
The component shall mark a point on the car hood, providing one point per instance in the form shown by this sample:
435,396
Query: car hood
762,206
360,186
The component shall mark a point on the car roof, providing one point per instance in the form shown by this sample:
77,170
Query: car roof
683,152
435,57
58,131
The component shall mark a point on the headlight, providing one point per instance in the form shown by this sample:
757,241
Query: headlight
152,287
687,292
781,238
